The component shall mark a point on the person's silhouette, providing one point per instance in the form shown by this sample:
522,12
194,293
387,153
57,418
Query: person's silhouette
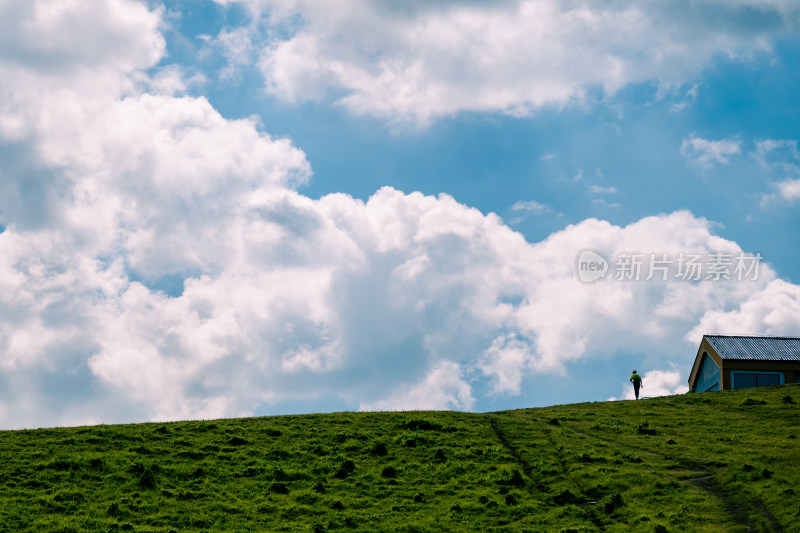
636,379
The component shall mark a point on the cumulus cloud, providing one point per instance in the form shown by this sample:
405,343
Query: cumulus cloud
773,311
442,388
656,383
417,61
706,152
157,262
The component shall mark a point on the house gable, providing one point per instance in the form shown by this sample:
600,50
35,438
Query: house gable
726,362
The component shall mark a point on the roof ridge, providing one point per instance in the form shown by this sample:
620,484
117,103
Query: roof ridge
752,336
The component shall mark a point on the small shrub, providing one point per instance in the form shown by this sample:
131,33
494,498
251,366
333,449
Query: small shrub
273,432
455,508
660,529
147,475
565,497
645,429
279,488
671,441
113,509
511,499
345,470
439,455
419,498
422,425
389,472
379,449
336,505
318,487
747,467
515,479
613,503
318,528
237,441
753,401
767,473
787,399
411,443
553,421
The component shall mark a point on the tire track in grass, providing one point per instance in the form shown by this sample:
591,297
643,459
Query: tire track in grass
501,436
705,481
526,467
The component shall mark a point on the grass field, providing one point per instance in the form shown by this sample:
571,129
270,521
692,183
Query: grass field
721,461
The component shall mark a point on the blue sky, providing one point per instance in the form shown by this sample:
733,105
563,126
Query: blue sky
231,208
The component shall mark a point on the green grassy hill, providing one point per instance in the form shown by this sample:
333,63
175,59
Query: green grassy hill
722,461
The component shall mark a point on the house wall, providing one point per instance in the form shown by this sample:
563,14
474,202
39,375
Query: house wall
790,369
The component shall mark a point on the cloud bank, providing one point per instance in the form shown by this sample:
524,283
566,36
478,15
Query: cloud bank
158,262
418,61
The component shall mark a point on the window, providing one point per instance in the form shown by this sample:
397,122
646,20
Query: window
742,380
755,379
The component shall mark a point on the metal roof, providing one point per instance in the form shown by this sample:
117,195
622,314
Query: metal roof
756,348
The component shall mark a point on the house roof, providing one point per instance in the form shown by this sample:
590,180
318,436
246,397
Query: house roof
756,348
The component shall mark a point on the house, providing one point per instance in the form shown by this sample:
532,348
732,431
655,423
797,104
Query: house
727,362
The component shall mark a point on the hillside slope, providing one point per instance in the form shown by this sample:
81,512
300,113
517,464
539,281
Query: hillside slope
722,461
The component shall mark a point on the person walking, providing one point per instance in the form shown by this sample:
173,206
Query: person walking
636,379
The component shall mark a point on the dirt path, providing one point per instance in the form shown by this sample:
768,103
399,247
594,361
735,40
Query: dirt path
501,436
526,467
705,481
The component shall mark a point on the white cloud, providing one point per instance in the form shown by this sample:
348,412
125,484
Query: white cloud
597,189
415,62
403,300
773,311
777,151
656,383
443,388
782,157
706,152
789,190
521,209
